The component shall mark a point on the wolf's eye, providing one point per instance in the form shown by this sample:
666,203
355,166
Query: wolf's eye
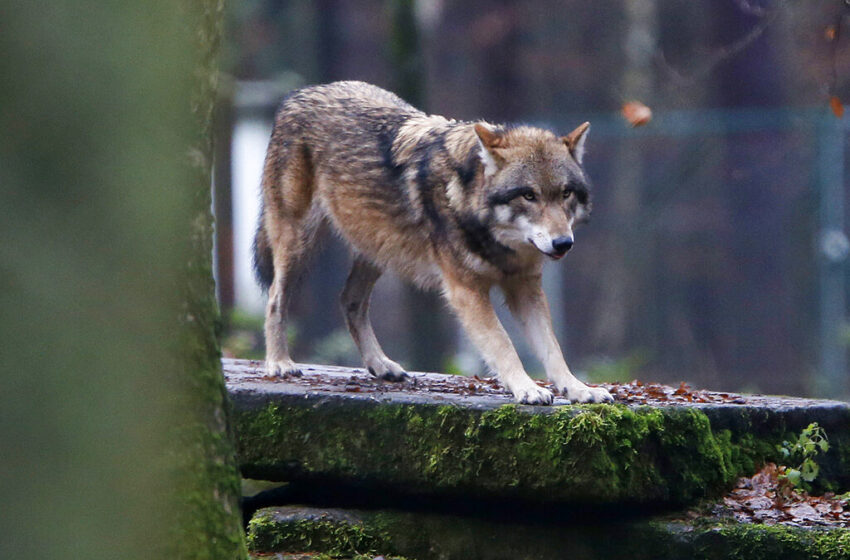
568,193
529,196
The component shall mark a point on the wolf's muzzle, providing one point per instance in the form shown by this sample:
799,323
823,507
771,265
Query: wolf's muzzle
561,245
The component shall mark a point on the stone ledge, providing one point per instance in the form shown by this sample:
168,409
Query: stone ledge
432,436
448,537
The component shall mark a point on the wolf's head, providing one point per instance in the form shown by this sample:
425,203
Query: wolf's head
536,191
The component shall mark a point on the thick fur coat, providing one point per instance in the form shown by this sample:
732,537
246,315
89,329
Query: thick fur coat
456,206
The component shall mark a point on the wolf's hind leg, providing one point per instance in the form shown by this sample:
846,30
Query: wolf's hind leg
291,221
355,309
287,264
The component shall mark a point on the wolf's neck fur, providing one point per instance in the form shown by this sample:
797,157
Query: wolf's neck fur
447,152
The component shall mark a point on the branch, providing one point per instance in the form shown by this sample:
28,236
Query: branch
726,52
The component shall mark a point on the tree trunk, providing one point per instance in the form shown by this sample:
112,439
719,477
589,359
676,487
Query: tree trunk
618,293
426,327
113,415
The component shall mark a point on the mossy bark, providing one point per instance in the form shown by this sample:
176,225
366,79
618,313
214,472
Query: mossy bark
113,417
209,522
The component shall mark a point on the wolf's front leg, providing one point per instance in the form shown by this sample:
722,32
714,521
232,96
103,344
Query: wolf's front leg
528,303
475,311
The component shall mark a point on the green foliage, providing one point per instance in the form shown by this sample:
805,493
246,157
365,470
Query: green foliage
802,451
243,335
337,348
452,367
619,370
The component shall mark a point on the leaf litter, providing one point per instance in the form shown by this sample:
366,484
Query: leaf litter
636,392
769,498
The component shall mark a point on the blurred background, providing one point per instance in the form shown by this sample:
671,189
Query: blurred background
716,253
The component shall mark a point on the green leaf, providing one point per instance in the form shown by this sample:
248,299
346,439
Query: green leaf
793,476
809,470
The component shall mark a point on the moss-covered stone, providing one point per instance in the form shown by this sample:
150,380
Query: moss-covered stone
595,453
417,535
315,556
448,444
333,532
776,542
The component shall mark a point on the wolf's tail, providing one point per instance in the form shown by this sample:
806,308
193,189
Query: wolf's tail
263,263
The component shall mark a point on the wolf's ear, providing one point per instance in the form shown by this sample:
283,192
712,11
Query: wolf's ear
575,141
489,141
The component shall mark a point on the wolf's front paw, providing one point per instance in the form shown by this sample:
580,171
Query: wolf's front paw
384,368
581,393
283,368
530,393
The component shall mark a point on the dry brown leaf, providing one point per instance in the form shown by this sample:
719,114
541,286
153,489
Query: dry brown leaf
830,33
803,511
636,113
836,106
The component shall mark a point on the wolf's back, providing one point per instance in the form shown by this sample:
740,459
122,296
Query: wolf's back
338,128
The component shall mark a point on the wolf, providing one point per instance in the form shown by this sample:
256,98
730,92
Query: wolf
457,206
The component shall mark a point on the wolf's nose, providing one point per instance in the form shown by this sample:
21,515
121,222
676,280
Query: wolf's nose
562,244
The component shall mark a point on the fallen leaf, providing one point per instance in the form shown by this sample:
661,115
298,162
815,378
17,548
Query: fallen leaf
803,511
830,32
836,106
636,113
761,502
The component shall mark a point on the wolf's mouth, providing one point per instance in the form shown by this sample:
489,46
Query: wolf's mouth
551,255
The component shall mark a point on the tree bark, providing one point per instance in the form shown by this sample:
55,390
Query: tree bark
114,412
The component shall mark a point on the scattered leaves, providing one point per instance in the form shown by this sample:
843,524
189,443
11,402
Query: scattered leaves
636,113
638,392
768,498
350,380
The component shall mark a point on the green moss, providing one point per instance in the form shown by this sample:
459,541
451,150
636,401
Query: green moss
266,533
593,453
777,542
423,535
316,556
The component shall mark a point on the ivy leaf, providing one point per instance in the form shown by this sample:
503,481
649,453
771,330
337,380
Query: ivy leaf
793,476
809,470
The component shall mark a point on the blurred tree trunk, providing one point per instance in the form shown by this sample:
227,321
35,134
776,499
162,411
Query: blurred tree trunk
498,34
114,412
620,290
427,331
209,524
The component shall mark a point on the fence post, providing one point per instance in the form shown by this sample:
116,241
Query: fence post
833,247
